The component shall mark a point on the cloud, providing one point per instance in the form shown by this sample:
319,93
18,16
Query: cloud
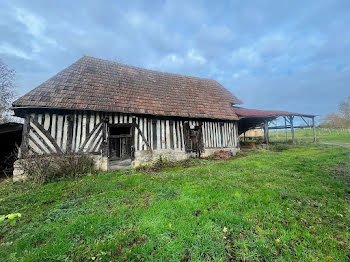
35,26
281,55
180,63
8,49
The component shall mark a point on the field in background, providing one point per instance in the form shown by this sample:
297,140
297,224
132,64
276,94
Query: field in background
287,204
306,135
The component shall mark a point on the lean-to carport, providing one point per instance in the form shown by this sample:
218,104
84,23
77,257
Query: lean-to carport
252,118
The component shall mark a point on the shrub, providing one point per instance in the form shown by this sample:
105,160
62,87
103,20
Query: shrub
43,169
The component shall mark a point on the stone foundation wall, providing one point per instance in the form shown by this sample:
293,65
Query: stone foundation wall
148,157
101,162
141,158
18,172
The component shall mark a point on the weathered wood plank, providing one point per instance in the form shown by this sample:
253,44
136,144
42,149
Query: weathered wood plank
145,130
37,139
40,118
25,137
93,146
168,139
182,136
36,144
53,126
136,131
154,134
46,136
163,134
90,138
174,124
116,119
140,127
78,137
144,140
65,133
47,121
98,118
235,134
83,131
34,147
159,135
59,130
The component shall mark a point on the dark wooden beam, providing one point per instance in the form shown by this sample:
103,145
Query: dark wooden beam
70,134
25,137
314,128
266,133
291,118
142,136
287,127
305,121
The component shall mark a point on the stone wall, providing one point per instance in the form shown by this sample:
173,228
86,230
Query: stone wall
141,158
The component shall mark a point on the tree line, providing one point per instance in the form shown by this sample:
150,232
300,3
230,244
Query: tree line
340,119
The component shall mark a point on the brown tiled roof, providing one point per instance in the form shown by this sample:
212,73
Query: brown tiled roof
252,113
101,85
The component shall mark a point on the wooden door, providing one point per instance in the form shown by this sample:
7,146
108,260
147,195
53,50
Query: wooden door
193,139
120,142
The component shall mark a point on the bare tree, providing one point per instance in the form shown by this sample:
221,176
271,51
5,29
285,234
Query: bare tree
334,120
7,93
344,108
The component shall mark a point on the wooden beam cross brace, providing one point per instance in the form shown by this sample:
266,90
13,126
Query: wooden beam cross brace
140,132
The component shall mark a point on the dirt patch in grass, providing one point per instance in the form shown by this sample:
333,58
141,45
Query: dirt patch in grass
342,172
162,164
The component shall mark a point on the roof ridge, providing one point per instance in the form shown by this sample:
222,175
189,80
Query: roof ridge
146,69
102,85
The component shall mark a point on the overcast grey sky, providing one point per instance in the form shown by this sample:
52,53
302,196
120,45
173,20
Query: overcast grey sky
286,55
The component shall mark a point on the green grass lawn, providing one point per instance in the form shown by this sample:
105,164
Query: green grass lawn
306,135
262,206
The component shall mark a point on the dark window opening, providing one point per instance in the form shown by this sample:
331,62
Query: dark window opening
154,132
119,130
120,142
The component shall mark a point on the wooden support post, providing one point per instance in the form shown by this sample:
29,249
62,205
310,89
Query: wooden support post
70,119
314,128
105,141
285,128
266,133
23,152
292,128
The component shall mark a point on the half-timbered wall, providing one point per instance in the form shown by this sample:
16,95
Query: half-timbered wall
220,134
84,132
